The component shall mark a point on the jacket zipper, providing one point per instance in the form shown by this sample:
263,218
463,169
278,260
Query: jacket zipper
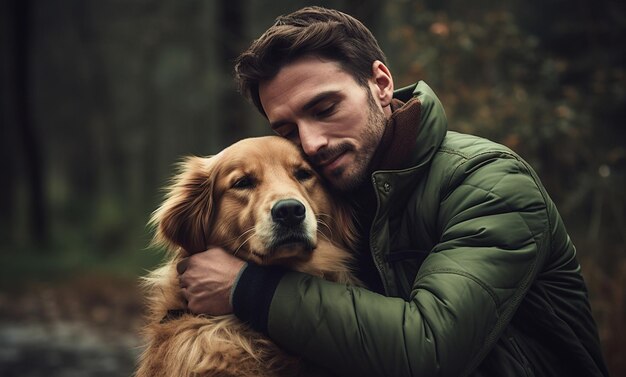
373,248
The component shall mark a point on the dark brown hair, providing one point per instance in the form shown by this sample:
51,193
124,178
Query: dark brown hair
316,31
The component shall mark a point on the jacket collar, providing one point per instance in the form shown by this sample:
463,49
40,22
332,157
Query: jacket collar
414,131
432,126
412,136
398,140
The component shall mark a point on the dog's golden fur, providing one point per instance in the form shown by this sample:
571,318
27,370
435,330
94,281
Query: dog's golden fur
227,200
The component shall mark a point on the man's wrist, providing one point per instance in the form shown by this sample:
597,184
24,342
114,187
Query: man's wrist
232,289
252,293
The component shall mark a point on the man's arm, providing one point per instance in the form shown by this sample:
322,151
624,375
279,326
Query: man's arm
494,227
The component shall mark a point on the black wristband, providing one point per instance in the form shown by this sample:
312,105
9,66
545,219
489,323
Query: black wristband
253,294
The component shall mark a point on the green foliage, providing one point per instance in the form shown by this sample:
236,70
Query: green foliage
500,81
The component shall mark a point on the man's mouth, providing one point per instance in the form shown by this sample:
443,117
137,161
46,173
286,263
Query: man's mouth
329,155
330,165
331,160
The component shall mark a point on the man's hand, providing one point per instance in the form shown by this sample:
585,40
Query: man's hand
206,280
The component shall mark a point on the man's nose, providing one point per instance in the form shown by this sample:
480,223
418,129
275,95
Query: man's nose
312,138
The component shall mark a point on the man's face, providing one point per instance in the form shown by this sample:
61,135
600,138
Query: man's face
337,122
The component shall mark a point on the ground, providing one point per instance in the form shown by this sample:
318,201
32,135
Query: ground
85,326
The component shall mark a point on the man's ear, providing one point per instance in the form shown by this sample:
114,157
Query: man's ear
184,218
381,83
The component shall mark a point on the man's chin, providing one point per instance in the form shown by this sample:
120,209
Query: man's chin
345,182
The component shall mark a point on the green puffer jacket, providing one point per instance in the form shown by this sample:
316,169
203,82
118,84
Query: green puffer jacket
479,272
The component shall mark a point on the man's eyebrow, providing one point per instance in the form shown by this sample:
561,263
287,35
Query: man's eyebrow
319,98
308,106
279,123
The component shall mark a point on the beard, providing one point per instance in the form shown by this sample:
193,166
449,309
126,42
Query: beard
349,178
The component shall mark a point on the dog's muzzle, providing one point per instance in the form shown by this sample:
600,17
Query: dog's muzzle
290,225
288,212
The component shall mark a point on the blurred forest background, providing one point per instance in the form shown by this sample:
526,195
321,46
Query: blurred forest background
101,98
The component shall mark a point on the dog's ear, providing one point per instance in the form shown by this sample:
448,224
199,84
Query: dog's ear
183,219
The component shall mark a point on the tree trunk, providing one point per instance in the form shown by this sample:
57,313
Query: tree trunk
8,151
28,138
233,124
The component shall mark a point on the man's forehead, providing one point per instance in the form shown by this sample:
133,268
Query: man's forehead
305,77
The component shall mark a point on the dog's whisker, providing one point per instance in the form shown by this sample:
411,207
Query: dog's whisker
324,215
235,239
244,242
325,225
325,236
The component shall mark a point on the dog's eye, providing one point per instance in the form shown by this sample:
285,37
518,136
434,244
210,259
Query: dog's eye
303,175
244,182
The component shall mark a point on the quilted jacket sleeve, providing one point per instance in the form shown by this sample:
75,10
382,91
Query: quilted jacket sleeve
493,233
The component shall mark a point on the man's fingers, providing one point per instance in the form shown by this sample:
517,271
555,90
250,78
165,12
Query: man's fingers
181,266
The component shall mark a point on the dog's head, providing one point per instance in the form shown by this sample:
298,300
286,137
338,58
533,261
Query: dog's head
258,198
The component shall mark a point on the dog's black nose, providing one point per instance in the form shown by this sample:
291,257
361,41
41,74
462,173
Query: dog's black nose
288,212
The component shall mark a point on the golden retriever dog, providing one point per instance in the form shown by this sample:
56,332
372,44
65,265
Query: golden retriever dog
260,199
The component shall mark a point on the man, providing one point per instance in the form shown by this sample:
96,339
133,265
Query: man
469,268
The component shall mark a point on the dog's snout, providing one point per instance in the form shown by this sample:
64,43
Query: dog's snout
288,212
